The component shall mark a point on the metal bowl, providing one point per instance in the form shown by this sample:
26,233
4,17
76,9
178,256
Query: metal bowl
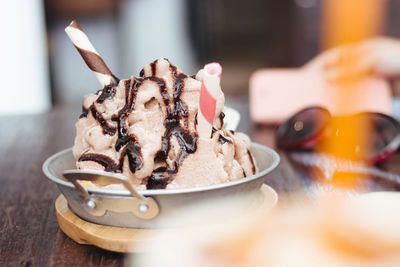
114,203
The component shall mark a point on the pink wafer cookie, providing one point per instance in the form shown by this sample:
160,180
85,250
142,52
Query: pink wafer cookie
207,102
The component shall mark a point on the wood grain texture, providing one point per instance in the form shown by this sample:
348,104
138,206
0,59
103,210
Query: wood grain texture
107,237
29,232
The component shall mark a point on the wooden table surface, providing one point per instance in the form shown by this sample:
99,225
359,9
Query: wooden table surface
29,233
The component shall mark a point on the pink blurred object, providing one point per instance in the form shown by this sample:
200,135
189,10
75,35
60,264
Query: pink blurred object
276,94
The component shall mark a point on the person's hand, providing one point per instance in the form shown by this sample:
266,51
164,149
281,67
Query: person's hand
379,56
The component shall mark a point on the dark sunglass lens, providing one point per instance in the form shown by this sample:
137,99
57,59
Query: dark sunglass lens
303,129
383,136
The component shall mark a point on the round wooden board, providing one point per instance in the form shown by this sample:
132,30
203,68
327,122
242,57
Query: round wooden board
127,239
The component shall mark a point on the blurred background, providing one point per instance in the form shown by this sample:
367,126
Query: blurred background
42,68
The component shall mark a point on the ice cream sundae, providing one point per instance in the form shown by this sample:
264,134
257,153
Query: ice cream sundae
148,128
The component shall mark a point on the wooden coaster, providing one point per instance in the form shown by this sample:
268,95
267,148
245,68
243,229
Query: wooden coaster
126,239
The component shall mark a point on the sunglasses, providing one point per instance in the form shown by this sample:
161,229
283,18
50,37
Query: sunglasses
311,127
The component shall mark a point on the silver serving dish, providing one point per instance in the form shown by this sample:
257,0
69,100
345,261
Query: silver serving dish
146,208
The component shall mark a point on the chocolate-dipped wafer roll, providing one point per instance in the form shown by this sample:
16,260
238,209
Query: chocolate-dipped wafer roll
90,55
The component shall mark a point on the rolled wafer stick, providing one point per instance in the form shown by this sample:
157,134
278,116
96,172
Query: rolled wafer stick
90,55
210,87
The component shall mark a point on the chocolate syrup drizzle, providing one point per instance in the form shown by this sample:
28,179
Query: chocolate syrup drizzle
131,147
108,93
160,177
107,129
84,113
221,139
108,164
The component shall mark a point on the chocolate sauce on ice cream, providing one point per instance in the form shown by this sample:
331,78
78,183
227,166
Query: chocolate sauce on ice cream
145,128
108,92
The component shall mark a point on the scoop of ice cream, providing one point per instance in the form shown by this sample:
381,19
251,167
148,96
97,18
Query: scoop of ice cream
145,128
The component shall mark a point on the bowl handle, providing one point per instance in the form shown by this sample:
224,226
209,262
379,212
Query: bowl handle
141,206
